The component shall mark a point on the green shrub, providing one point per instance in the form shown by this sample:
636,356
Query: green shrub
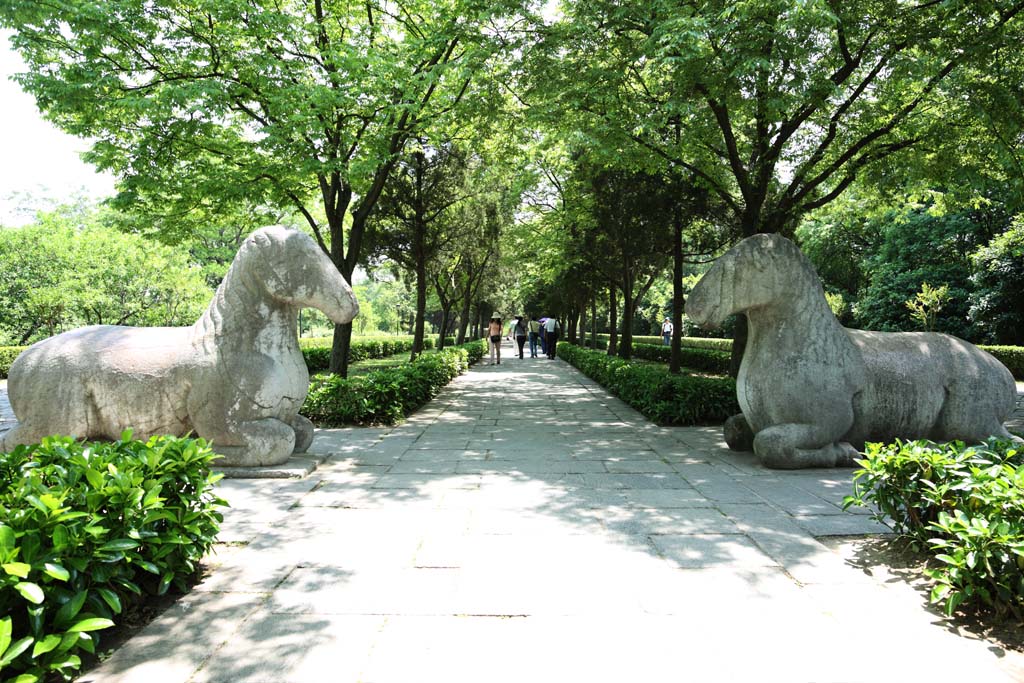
965,505
686,342
7,356
660,396
386,396
1010,356
704,360
86,527
317,350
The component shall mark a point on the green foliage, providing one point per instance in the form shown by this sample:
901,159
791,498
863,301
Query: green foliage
924,306
1010,356
662,397
919,247
85,528
997,303
702,360
7,356
317,350
687,342
60,274
962,502
386,396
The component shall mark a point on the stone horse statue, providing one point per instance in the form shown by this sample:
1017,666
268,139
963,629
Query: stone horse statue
812,392
236,377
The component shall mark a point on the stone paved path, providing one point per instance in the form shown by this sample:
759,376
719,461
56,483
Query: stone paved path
526,526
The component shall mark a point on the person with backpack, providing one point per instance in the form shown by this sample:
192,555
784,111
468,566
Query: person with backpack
534,328
517,328
551,330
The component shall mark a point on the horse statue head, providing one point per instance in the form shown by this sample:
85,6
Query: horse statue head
295,271
761,271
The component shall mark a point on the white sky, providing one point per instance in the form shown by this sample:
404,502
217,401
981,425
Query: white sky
39,164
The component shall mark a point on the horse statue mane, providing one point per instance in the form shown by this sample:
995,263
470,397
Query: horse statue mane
236,377
812,392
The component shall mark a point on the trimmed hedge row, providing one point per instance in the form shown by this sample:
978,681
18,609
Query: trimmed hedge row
317,350
660,396
687,342
705,360
388,395
965,505
7,356
1010,356
86,528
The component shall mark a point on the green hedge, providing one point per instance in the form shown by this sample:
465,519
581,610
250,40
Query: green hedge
686,342
317,350
7,356
1010,356
386,396
662,397
704,360
965,504
87,527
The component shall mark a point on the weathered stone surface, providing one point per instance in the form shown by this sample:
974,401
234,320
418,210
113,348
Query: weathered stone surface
236,377
812,392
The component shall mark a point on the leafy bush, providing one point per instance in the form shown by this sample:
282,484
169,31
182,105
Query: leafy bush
86,527
687,342
7,356
386,396
1010,356
705,360
317,350
665,398
963,503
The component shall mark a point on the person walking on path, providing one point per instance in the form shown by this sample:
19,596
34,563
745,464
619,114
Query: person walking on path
551,330
494,335
517,328
666,332
534,328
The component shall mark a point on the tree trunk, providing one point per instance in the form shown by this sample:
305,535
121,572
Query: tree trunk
739,344
593,320
628,310
613,321
463,320
583,324
421,308
445,320
339,349
676,363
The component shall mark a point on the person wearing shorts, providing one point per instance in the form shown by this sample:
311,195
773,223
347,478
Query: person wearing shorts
494,337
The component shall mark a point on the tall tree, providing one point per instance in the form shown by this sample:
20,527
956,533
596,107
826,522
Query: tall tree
307,104
783,103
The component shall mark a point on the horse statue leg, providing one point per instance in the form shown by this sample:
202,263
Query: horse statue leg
303,433
255,443
793,446
738,434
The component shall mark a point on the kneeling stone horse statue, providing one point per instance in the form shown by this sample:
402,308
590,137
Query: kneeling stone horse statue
812,392
236,377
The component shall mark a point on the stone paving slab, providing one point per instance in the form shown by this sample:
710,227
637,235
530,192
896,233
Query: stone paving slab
497,537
